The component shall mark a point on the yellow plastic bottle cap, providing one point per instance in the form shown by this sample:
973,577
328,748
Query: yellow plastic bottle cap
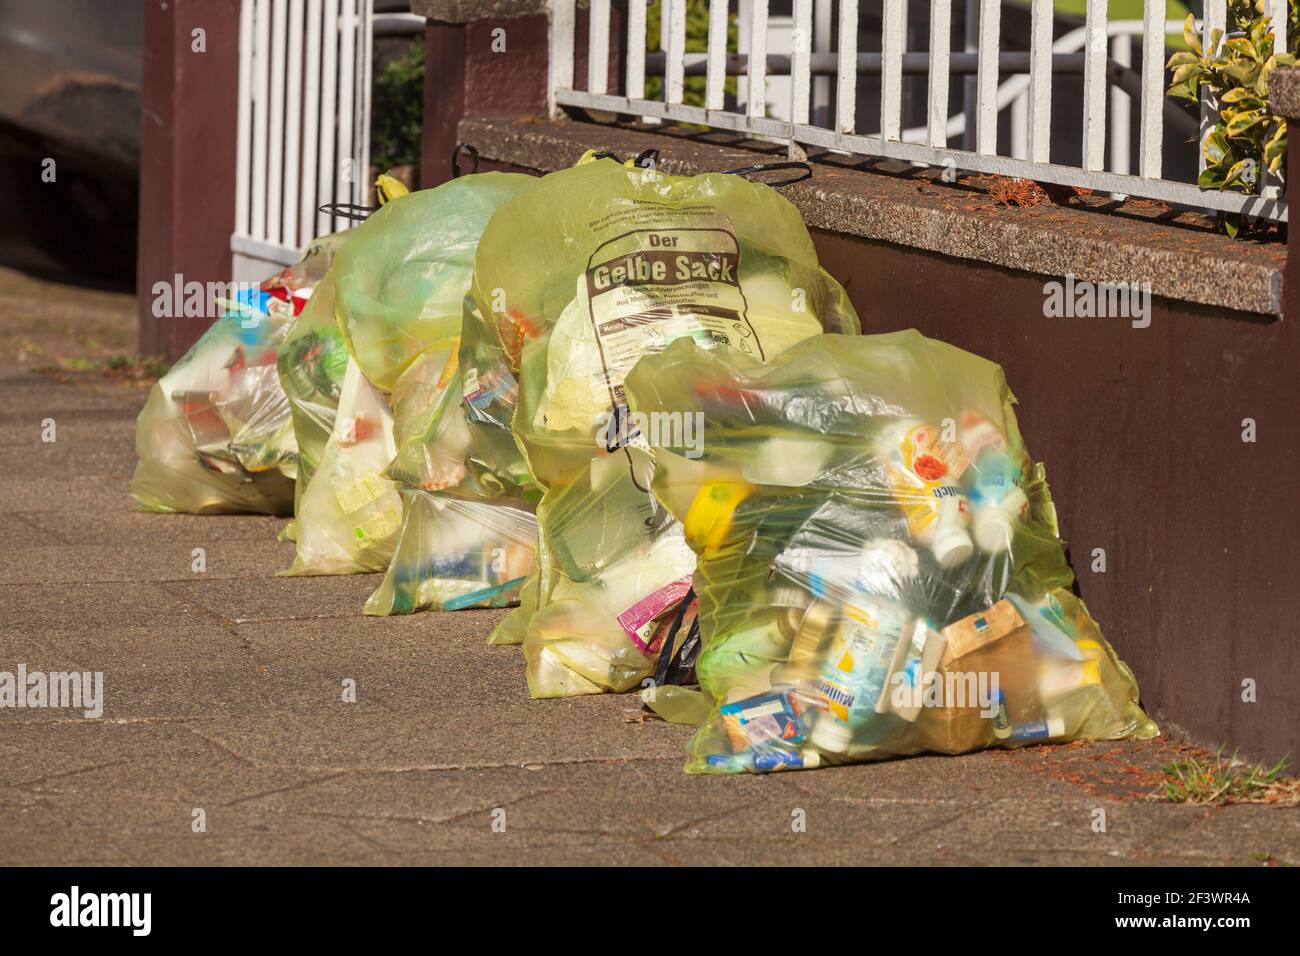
1089,648
709,517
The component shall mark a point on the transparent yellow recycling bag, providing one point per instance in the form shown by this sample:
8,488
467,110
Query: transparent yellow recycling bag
402,277
349,514
312,360
463,543
453,554
879,571
399,284
581,276
215,434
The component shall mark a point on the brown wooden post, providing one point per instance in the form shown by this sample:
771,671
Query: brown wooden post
187,158
466,72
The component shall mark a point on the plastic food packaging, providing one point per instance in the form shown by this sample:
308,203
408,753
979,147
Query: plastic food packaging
312,361
620,261
350,514
897,587
401,307
455,554
215,435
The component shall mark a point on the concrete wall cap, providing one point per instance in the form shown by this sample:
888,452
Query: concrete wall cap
1284,92
1092,238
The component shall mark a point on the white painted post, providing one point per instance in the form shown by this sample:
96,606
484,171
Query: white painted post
744,24
636,29
560,69
1020,127
261,68
598,47
758,59
986,83
345,173
823,12
846,96
243,117
364,65
1121,51
311,121
893,41
675,74
328,102
716,78
1150,141
1216,18
940,45
801,62
1040,82
1270,184
292,126
1094,88
275,155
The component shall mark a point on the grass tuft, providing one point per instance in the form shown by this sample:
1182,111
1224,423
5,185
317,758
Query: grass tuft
1223,780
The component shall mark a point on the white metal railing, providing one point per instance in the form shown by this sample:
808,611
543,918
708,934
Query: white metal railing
1105,46
303,134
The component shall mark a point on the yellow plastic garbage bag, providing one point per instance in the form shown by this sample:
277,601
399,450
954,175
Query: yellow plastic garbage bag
215,434
403,274
595,267
350,514
879,571
453,554
453,551
312,360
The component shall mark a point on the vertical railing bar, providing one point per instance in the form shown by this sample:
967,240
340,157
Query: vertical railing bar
847,90
801,62
1270,183
261,67
292,126
636,30
893,39
1094,87
364,67
311,123
757,72
1120,107
1020,126
675,74
716,78
986,81
563,23
1216,18
1151,135
329,92
822,42
1040,82
598,47
744,23
275,155
243,118
940,45
346,175
970,44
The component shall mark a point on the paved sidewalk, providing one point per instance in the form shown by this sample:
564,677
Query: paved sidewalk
223,693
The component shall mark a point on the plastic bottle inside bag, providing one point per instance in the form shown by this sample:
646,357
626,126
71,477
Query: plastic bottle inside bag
998,502
924,471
